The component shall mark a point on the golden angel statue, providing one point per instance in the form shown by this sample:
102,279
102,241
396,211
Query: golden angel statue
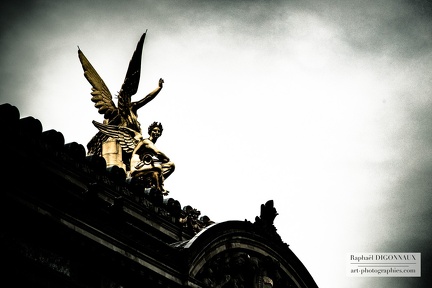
124,114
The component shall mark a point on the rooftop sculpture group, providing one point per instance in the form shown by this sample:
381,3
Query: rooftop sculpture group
119,139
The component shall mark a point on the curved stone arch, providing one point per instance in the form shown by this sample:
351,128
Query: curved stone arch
258,259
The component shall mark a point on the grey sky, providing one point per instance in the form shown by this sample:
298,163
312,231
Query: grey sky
322,106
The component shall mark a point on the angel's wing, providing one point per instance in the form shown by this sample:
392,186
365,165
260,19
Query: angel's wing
131,81
101,95
126,137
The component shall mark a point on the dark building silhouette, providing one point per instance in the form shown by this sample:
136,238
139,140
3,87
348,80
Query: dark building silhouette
69,221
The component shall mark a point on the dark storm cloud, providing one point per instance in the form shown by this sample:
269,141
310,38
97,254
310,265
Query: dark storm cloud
408,209
401,33
383,26
16,11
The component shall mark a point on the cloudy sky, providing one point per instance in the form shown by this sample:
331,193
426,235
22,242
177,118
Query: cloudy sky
322,106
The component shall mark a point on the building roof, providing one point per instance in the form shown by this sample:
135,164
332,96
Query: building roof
66,201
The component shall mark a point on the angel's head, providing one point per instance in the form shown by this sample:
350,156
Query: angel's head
155,130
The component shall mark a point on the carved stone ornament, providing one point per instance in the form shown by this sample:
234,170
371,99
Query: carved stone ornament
240,269
264,223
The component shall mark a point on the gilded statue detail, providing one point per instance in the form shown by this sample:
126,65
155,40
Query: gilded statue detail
125,113
146,159
119,139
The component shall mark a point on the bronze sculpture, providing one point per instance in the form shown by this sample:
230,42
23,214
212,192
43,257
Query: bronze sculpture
125,114
119,139
146,159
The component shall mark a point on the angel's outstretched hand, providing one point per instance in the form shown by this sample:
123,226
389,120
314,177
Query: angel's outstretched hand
161,81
